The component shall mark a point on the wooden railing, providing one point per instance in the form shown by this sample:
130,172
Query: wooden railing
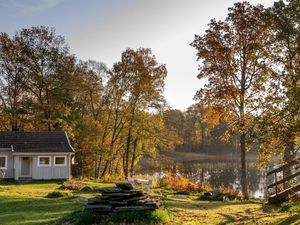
286,187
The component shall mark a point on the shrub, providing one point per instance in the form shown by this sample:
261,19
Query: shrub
86,189
177,183
223,193
204,187
72,185
184,184
59,194
161,216
230,193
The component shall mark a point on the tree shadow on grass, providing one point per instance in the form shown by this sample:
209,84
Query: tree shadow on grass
242,218
241,213
81,217
267,208
192,205
289,220
228,218
12,182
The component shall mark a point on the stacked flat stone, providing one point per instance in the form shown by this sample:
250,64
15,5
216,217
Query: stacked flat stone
121,199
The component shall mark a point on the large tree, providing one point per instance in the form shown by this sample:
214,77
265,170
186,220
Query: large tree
140,79
232,56
12,92
48,68
279,126
285,22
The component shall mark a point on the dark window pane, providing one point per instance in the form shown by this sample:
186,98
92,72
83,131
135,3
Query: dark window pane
60,160
2,161
44,161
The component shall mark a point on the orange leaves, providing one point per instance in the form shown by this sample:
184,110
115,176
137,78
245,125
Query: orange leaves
184,184
213,116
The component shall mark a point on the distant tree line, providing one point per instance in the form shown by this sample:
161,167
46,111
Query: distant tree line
198,133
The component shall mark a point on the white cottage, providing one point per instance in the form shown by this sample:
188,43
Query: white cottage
35,155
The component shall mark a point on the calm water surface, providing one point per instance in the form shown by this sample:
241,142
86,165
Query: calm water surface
217,171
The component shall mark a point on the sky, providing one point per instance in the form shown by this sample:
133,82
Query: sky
102,29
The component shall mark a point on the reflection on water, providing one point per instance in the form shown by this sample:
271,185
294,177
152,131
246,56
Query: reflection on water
218,172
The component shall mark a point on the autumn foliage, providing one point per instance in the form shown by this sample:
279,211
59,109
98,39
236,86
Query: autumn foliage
230,193
177,183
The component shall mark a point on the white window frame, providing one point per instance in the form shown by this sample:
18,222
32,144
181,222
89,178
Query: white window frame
38,163
4,168
65,163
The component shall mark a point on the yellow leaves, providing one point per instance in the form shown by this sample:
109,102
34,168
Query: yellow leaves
214,116
183,184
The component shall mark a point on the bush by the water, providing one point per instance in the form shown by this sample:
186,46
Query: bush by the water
221,194
86,189
177,183
59,194
72,185
230,193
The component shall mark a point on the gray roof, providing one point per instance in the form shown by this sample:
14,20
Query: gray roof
38,142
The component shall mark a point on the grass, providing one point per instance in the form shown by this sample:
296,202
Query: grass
293,206
26,204
191,212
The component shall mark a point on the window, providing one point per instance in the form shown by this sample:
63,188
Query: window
60,160
44,161
3,162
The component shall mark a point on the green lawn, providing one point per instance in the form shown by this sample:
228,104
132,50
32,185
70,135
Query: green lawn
25,203
193,212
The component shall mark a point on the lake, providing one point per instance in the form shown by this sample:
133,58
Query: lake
214,169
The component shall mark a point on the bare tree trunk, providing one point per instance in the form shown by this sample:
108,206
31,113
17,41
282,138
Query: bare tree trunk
95,168
288,156
128,143
244,181
105,168
202,175
126,157
133,156
116,171
99,167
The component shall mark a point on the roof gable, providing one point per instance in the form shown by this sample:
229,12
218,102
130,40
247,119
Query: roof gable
21,141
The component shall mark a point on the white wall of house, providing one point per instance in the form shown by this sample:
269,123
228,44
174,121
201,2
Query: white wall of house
45,172
9,170
52,171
